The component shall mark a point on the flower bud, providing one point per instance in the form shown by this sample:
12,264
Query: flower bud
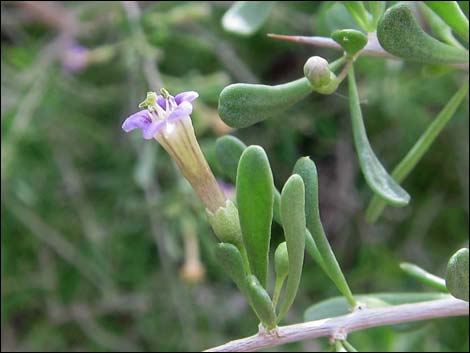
351,40
281,261
226,224
330,88
317,71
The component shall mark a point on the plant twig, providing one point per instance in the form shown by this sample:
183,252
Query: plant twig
372,48
339,327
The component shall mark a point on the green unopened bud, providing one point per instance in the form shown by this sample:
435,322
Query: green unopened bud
317,71
281,265
226,224
351,40
330,87
281,261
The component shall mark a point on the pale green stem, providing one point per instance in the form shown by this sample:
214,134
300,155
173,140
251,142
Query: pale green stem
424,276
349,347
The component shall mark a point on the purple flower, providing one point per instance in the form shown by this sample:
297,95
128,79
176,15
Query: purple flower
162,112
167,120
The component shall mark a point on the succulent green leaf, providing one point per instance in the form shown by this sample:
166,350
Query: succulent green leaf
438,27
452,14
424,276
351,40
338,306
400,34
375,174
307,170
230,259
421,146
242,104
246,17
281,260
312,250
293,222
457,274
310,245
261,303
255,198
281,267
228,150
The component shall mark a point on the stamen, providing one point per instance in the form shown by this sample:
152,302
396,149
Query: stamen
161,114
164,93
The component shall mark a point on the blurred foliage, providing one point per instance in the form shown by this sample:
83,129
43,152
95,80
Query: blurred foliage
94,221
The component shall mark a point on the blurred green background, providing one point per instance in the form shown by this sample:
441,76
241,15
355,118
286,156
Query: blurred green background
97,225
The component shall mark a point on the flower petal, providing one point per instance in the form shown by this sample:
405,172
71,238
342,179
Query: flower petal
181,111
139,120
161,101
150,130
188,96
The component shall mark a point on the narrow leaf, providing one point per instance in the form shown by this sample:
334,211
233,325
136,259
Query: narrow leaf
438,27
228,150
306,168
452,14
457,274
246,17
421,146
375,174
261,303
424,276
242,104
230,259
310,245
400,34
360,14
338,306
255,200
281,267
293,222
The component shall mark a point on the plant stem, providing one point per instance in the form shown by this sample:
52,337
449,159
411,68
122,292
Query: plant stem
339,327
349,347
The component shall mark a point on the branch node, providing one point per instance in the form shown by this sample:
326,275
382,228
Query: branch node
341,334
262,332
359,307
